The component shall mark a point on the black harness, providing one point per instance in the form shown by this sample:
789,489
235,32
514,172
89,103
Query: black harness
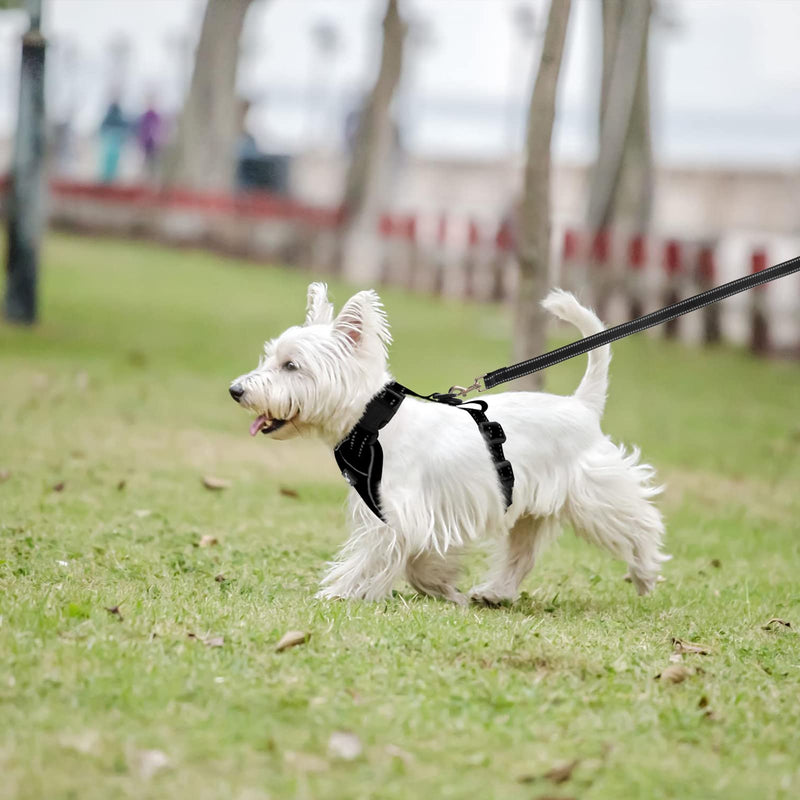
360,457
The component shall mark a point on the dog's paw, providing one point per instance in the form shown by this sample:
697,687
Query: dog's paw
329,594
486,596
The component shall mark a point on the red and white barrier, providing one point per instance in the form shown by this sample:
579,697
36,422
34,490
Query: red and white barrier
623,274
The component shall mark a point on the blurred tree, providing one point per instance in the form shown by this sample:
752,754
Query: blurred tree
326,40
622,183
525,33
533,247
373,142
26,193
203,154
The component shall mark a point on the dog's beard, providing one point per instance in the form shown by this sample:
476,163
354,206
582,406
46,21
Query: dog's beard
273,405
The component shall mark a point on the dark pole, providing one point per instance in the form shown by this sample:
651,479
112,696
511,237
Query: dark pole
26,192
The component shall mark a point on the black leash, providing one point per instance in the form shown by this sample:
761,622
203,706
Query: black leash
359,455
540,362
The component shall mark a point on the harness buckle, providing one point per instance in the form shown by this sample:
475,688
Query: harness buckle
463,391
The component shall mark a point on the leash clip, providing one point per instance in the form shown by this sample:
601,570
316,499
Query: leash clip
463,391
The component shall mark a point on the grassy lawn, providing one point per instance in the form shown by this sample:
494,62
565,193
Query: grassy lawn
114,408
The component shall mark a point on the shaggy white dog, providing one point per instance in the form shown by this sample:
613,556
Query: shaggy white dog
440,491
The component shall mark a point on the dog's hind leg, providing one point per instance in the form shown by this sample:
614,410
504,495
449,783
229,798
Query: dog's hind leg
435,575
610,506
514,559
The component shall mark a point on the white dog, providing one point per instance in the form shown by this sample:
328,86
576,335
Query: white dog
440,491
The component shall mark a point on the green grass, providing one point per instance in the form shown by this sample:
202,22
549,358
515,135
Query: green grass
120,393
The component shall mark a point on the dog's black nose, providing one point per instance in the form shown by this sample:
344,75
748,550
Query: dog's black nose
237,390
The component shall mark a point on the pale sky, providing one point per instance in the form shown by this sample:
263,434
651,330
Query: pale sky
726,73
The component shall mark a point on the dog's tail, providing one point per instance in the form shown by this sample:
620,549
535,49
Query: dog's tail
594,386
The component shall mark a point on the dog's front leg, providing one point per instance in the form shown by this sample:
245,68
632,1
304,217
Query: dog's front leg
366,567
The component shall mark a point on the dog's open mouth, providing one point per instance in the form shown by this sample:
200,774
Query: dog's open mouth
266,425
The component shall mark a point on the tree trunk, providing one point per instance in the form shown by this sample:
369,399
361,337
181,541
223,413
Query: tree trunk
622,185
203,155
367,175
534,229
26,193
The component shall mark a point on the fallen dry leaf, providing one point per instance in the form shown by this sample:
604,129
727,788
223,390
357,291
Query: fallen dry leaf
114,611
215,484
85,742
344,745
682,646
357,698
212,641
674,673
778,623
137,358
208,541
562,772
149,762
287,492
59,487
5,474
552,797
291,639
305,762
397,752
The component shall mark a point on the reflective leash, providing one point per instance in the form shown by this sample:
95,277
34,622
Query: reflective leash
491,379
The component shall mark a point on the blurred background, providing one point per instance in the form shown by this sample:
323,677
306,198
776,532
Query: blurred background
388,143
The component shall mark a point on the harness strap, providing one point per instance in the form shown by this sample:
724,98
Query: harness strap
359,455
495,437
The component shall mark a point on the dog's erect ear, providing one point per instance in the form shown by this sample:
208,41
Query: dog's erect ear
363,319
319,309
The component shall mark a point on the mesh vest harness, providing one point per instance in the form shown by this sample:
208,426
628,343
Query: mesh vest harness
360,456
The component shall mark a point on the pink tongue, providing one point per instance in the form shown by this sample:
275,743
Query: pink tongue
258,423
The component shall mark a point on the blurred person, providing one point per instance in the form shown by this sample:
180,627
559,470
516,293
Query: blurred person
247,149
62,146
150,137
113,131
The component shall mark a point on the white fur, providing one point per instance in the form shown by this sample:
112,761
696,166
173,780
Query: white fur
439,491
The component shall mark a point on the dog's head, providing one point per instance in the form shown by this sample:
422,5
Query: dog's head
315,377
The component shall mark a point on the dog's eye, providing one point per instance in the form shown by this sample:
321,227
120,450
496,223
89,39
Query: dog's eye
291,366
